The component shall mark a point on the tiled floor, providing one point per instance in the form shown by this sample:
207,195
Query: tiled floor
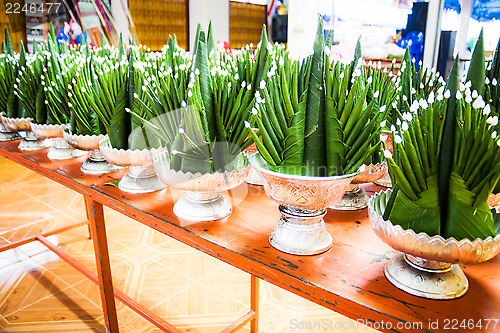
193,291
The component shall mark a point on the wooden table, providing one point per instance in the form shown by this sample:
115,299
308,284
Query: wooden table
348,279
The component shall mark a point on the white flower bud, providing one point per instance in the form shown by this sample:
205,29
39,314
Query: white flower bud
387,153
383,123
383,108
404,126
493,121
487,110
447,94
398,139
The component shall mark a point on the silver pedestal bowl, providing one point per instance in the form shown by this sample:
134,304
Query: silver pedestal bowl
302,203
30,142
355,198
141,177
7,134
202,201
61,149
427,266
96,164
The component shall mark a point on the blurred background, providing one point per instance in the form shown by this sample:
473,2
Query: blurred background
435,30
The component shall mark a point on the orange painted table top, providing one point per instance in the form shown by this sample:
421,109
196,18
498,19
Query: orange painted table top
348,279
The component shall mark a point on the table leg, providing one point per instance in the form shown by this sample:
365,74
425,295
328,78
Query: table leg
254,303
98,232
87,208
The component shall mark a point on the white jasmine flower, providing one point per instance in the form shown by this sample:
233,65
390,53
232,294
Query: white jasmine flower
493,121
475,94
247,124
404,126
262,84
494,134
383,108
255,111
398,139
398,122
183,104
382,123
393,128
458,95
430,100
370,80
407,116
196,71
478,103
414,106
249,87
181,130
383,137
487,110
243,84
487,80
190,93
494,82
423,104
387,153
447,94
376,94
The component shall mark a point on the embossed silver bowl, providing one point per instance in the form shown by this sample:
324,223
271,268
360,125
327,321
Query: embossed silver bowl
61,149
141,177
202,201
355,198
302,202
30,142
428,266
96,164
7,134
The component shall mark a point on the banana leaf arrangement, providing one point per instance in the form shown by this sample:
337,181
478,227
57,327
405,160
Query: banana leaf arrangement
447,161
8,72
28,89
215,94
56,82
313,115
82,78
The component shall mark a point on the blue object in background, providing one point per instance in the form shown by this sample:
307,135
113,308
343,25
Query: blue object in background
414,40
482,10
61,36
